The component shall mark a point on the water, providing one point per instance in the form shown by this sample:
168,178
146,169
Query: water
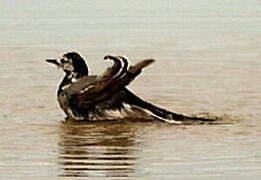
208,64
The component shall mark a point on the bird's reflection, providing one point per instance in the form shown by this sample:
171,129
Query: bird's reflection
97,149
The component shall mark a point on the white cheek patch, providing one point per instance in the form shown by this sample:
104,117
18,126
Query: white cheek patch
66,63
68,66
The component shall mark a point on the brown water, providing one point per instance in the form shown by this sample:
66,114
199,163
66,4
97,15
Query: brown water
208,63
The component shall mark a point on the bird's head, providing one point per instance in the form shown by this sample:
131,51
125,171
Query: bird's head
71,63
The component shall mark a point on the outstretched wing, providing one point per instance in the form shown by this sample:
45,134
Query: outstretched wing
87,92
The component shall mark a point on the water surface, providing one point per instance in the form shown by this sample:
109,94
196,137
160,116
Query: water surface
208,64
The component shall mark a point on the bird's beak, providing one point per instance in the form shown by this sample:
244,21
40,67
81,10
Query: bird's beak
53,61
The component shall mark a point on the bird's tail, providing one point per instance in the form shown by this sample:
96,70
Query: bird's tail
160,113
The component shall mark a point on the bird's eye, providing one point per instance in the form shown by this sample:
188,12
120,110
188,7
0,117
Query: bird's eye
63,61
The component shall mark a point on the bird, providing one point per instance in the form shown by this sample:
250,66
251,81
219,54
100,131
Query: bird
85,97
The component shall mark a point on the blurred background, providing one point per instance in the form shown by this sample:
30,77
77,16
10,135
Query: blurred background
207,64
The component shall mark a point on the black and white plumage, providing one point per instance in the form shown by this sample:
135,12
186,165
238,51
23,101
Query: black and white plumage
105,97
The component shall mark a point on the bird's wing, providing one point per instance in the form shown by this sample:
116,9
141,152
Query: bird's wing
87,92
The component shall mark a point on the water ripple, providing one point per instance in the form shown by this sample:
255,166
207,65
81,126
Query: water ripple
89,150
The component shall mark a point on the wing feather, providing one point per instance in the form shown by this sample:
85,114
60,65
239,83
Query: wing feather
87,92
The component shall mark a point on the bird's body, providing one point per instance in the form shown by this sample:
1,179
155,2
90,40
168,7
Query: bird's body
105,97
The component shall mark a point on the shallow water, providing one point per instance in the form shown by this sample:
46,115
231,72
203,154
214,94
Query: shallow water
208,64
